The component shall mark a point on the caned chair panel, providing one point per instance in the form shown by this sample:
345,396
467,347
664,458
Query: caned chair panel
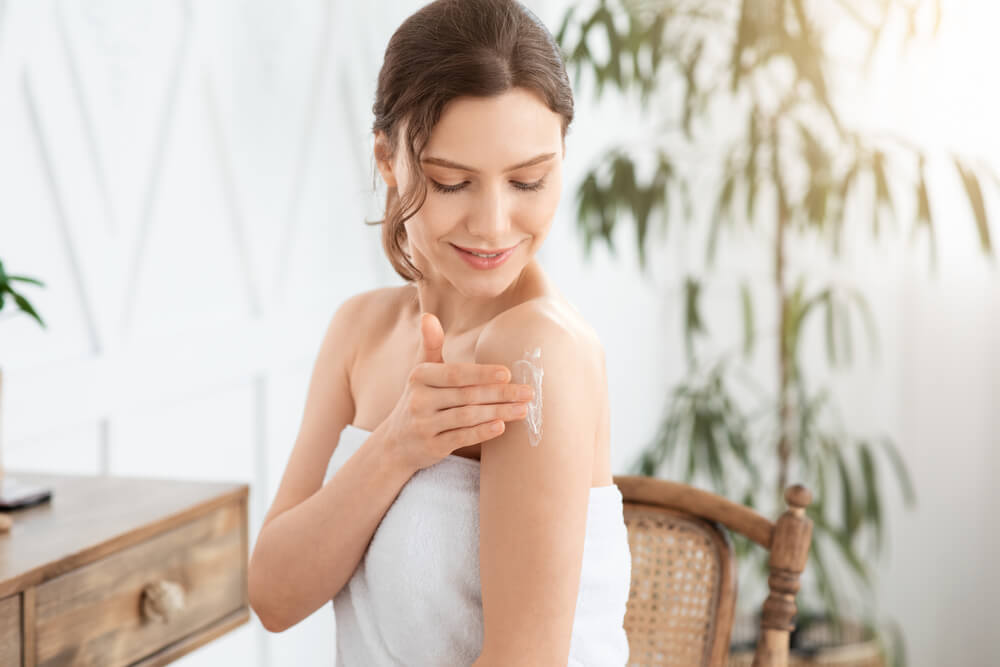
684,578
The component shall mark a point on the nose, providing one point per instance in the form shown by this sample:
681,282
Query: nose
490,221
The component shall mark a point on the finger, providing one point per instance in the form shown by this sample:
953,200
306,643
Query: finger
433,338
472,435
482,394
457,374
472,415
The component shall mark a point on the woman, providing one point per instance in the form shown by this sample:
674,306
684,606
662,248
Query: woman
440,540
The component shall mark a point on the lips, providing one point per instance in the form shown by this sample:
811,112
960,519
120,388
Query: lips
485,252
477,262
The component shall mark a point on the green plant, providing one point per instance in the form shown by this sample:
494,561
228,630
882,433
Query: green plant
7,290
773,75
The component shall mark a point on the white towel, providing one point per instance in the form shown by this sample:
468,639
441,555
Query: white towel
415,598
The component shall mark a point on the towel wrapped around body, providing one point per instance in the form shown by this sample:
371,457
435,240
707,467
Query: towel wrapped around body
415,598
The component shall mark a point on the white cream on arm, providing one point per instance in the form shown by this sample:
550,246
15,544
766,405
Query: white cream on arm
529,371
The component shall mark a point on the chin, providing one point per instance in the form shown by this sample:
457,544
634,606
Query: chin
475,284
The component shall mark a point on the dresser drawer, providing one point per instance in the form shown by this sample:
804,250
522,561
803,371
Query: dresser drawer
10,630
141,599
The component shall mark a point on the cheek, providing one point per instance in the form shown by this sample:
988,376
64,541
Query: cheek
431,222
543,208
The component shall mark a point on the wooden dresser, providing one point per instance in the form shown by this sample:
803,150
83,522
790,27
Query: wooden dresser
122,571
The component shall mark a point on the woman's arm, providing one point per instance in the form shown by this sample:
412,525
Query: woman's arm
315,534
305,555
534,499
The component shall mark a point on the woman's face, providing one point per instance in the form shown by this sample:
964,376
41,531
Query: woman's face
494,177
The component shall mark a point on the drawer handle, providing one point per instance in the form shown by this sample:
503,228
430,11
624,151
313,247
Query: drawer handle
162,600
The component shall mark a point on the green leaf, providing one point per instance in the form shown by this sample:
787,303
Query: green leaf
561,33
743,40
824,580
798,310
821,480
845,331
750,166
882,195
693,323
586,209
722,205
867,317
659,186
873,509
612,69
26,307
924,218
690,69
25,279
896,645
738,442
831,347
851,515
624,189
749,333
845,190
818,163
873,44
847,551
578,57
975,194
713,458
902,473
694,447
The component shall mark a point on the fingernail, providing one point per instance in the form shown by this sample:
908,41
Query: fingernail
501,375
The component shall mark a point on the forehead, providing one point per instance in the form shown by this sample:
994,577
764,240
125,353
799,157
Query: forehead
494,132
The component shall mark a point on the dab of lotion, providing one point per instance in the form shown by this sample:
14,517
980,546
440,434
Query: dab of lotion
529,371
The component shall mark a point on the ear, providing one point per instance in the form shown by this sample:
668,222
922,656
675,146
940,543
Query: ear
382,159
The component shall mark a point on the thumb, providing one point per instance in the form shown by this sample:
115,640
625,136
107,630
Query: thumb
433,337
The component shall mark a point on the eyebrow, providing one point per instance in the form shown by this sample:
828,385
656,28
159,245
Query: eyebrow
454,165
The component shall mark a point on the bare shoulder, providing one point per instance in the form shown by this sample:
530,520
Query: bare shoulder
573,400
548,319
572,357
386,297
374,310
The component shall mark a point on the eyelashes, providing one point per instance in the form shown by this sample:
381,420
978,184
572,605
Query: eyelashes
528,187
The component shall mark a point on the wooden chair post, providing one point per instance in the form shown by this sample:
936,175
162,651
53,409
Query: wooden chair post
789,553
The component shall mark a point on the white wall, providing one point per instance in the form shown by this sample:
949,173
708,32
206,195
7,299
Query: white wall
190,181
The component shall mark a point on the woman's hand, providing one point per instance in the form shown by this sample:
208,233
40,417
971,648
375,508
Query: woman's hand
447,406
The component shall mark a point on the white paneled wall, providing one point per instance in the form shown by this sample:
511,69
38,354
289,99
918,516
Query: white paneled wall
190,179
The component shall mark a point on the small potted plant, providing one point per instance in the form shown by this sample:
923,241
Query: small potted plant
12,494
7,293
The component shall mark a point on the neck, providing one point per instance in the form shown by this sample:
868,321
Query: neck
460,313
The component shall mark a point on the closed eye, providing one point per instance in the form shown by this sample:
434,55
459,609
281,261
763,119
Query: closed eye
537,185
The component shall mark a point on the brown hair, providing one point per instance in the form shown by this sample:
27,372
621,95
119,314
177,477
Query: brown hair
447,49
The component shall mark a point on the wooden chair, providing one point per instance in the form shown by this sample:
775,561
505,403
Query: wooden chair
683,594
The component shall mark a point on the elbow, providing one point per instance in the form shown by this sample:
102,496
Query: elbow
256,594
269,624
272,626
263,613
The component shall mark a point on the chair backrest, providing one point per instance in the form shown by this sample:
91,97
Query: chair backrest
684,577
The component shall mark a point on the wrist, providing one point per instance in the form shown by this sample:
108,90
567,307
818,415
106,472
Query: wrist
390,454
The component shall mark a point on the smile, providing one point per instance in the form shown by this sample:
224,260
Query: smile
484,260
